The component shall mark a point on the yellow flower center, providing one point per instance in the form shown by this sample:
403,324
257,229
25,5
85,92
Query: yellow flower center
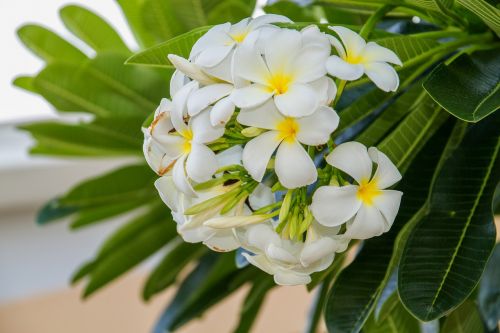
288,129
354,58
188,137
368,191
238,38
278,83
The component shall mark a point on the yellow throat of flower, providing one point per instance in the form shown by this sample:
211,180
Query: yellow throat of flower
278,83
354,58
288,129
239,37
368,191
188,137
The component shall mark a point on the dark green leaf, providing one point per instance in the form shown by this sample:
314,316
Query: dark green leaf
465,319
171,265
489,290
488,13
48,45
53,211
92,29
469,87
394,319
229,11
446,253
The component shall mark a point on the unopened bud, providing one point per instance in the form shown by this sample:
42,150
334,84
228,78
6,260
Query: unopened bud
251,132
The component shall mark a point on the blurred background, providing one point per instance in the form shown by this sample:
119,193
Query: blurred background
36,262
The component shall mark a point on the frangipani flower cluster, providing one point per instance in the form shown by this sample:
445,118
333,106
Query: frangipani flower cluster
245,147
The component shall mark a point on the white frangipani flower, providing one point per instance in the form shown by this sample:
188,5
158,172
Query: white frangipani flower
356,57
293,166
368,206
286,71
219,42
291,262
184,146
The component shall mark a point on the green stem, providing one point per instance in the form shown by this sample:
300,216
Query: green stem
373,20
340,89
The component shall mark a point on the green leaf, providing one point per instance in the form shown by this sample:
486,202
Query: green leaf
469,87
291,10
170,266
102,86
489,290
26,83
115,260
465,319
98,138
253,303
160,18
229,11
48,45
488,13
132,10
394,319
356,289
92,29
157,55
53,211
446,253
189,12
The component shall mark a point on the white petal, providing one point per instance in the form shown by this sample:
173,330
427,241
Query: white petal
230,156
316,129
264,116
217,35
168,192
213,56
195,235
343,70
201,163
317,250
353,43
386,174
260,236
290,278
337,45
280,254
376,53
388,203
222,71
203,131
222,112
300,100
280,50
261,197
251,66
155,156
333,205
190,69
222,241
257,153
368,223
177,81
172,145
325,88
293,165
179,105
266,19
352,158
180,179
261,262
203,97
383,75
311,35
309,65
251,96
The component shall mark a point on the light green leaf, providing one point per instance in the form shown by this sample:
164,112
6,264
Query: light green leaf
48,45
488,13
465,319
92,29
25,82
229,11
157,55
160,19
394,319
446,252
189,12
469,87
132,10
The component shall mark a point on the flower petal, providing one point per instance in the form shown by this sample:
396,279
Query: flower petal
217,35
352,158
230,156
171,144
179,103
177,81
376,53
203,131
203,97
251,96
280,50
294,167
316,129
251,66
318,250
168,192
300,100
353,43
201,163
260,261
309,64
338,46
386,174
257,153
180,179
368,223
258,237
383,75
291,278
312,36
214,55
343,70
190,69
266,19
325,88
222,241
388,203
261,197
264,116
333,205
222,112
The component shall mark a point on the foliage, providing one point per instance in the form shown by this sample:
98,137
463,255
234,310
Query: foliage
444,234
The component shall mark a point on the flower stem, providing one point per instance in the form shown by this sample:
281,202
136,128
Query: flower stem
373,19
